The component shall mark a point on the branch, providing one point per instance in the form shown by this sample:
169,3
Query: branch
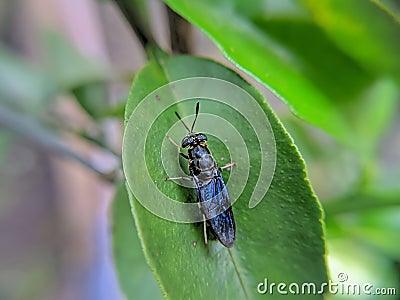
22,125
135,16
179,30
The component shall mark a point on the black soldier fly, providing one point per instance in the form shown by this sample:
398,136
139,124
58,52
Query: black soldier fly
210,186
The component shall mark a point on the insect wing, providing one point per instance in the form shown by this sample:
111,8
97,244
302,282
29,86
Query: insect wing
216,206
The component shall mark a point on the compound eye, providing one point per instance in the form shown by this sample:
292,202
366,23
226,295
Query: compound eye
185,142
202,138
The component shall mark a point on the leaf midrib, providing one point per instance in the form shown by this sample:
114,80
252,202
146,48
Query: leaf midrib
236,266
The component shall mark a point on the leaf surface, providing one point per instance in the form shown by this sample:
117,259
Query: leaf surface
281,239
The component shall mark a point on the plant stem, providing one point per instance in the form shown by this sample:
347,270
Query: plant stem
179,30
29,128
135,16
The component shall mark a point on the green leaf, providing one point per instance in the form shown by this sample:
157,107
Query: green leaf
93,98
369,199
287,52
68,67
379,228
281,239
375,44
317,56
23,87
28,88
361,265
135,277
373,113
374,239
389,6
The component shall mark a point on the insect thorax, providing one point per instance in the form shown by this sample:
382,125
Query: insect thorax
202,164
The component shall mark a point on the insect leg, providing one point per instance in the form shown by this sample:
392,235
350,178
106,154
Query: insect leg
178,178
183,155
178,147
228,166
205,232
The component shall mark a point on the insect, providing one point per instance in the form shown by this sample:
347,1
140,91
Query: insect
210,186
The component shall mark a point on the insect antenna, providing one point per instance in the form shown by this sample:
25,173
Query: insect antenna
179,117
195,118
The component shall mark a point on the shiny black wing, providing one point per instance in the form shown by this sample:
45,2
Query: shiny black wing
216,206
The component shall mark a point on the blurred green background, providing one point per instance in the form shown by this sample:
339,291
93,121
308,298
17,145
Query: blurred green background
65,70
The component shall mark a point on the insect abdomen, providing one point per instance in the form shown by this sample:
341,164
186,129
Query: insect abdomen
217,209
212,194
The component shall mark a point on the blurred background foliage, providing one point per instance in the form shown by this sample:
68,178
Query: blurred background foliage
65,71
